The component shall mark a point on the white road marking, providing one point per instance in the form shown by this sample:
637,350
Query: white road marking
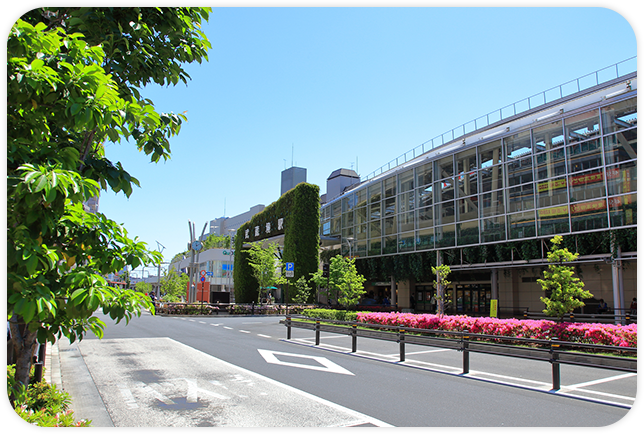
215,325
203,322
327,365
194,391
228,328
128,398
244,331
601,380
264,336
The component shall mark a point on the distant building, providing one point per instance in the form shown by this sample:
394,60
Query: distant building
291,177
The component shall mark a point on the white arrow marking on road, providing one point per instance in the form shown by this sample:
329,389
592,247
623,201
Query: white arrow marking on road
327,365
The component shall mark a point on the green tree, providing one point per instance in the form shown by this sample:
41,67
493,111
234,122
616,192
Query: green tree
144,287
214,241
174,286
265,263
566,290
74,79
302,291
344,282
441,272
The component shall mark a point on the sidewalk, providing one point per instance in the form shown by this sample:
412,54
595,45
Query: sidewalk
65,367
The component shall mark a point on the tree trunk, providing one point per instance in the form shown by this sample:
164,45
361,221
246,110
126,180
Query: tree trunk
24,347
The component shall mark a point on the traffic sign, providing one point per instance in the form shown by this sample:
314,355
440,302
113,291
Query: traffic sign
290,269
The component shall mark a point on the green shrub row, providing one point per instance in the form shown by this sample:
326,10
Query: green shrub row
334,314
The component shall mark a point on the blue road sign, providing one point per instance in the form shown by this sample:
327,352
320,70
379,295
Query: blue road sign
290,266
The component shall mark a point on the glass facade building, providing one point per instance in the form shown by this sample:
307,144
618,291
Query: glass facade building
565,167
576,172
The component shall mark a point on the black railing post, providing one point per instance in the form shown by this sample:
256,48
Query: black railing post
556,367
401,340
288,327
317,332
465,347
354,338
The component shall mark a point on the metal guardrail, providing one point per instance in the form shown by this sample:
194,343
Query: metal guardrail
587,81
548,351
618,316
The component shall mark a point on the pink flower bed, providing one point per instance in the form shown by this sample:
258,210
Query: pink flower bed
589,333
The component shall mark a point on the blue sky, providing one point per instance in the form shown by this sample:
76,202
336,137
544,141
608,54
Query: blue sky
337,88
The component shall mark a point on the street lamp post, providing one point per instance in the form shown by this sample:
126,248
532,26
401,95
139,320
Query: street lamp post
349,241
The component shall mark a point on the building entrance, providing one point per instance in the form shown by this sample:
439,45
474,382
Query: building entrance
470,298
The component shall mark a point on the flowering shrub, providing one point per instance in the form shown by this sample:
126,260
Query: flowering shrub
588,333
43,417
186,309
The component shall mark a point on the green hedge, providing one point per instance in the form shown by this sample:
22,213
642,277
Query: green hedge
334,314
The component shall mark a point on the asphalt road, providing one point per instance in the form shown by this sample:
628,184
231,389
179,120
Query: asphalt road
241,371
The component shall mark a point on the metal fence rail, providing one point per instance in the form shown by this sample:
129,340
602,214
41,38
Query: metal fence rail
551,351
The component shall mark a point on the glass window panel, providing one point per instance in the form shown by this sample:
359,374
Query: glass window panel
467,184
587,185
551,164
347,219
521,198
467,233
445,236
406,201
517,146
326,228
375,230
390,206
348,202
424,174
445,167
425,196
374,247
406,181
361,215
360,249
519,171
375,192
466,161
491,178
522,225
374,211
361,231
622,178
425,217
490,154
623,210
552,221
493,229
347,232
336,209
336,225
588,216
406,222
582,126
467,208
361,197
548,136
619,116
390,186
444,212
492,203
390,225
621,146
406,242
552,192
390,244
584,155
425,239
444,189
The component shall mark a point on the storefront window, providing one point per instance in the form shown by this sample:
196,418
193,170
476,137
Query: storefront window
587,216
521,198
522,225
424,174
623,210
490,154
492,203
621,146
585,155
582,126
467,233
425,239
619,116
425,217
493,229
550,164
445,167
552,192
445,236
406,181
406,242
444,212
587,185
551,221
548,136
622,178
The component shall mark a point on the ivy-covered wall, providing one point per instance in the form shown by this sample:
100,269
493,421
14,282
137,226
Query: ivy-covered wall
296,215
417,265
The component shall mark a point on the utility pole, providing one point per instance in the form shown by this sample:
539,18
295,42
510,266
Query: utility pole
195,245
160,249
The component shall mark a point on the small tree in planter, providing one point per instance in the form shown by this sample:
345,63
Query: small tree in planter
566,291
441,282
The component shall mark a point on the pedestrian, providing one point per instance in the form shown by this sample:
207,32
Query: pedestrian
634,306
603,307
